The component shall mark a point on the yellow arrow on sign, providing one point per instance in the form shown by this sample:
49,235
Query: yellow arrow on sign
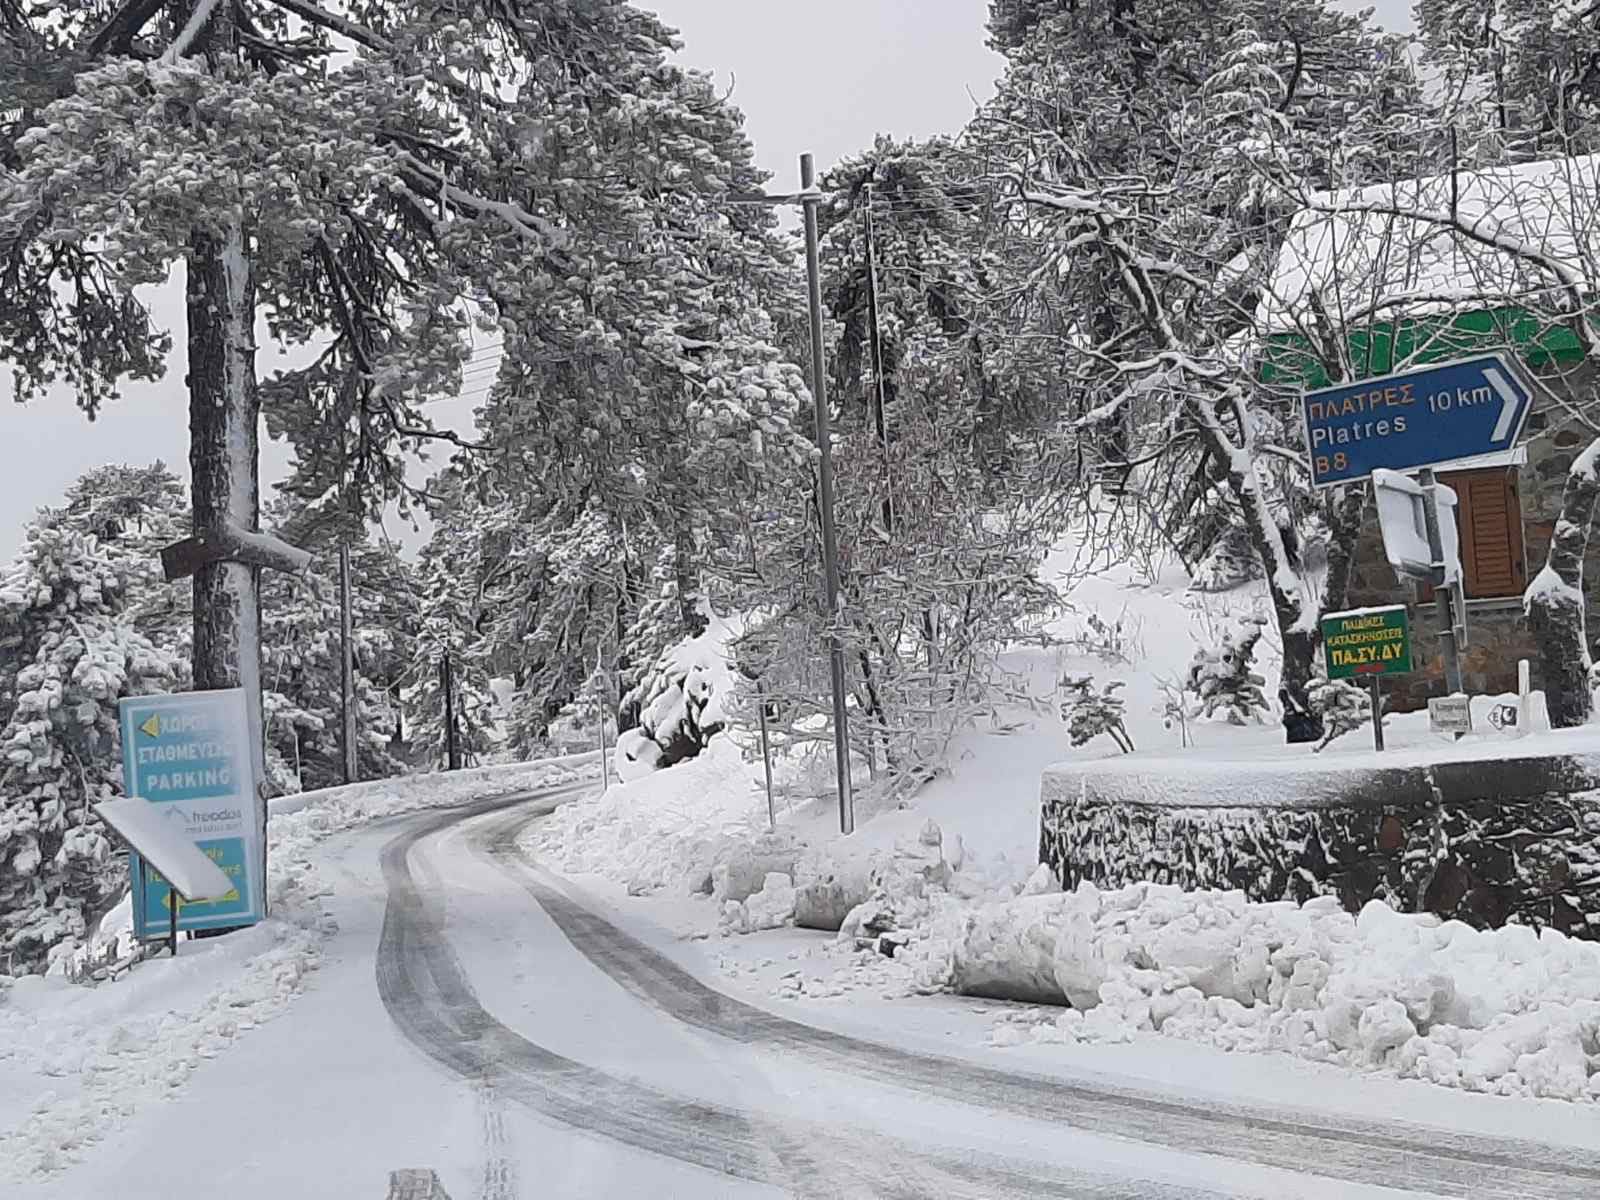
166,901
152,726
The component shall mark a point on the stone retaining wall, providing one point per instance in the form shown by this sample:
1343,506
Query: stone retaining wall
1486,841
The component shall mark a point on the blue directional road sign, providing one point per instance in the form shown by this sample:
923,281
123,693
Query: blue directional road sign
189,754
1415,419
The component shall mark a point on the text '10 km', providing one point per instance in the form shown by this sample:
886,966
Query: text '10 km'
1420,418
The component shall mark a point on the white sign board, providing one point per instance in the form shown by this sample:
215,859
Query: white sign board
1403,522
154,838
1450,714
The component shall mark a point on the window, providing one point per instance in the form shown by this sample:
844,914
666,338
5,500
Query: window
1489,524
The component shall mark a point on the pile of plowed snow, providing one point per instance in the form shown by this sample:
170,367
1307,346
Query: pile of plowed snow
1511,1011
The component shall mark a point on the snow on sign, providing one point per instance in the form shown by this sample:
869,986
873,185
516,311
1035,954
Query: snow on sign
1367,642
189,756
1415,419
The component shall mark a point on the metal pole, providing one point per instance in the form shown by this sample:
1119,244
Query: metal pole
449,713
1446,617
766,757
876,344
830,548
172,918
347,667
1377,712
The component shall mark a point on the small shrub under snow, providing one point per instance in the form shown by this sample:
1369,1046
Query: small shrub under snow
1222,679
1088,713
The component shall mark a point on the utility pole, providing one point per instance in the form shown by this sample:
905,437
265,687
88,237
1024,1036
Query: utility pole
347,666
808,198
452,760
830,545
875,342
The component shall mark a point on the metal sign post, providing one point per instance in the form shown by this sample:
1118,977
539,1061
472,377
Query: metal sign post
766,757
1377,712
1444,588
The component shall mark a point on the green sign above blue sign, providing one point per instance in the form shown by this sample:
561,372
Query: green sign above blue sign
190,755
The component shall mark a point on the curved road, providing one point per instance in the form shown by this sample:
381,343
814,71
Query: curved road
431,999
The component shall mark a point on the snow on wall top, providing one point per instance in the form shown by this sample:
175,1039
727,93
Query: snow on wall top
1364,256
1296,779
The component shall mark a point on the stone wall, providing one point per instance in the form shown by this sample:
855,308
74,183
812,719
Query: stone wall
1497,632
1485,841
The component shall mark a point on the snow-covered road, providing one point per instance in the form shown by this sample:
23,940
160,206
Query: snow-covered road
475,1015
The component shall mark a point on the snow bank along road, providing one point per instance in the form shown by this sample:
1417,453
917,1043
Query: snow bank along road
921,1104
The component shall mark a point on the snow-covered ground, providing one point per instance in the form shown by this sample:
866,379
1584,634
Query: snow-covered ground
1512,1012
76,1062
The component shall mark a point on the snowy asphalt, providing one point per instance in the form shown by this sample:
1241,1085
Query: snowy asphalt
432,1001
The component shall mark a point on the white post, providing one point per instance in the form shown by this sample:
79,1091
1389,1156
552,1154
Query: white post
1524,699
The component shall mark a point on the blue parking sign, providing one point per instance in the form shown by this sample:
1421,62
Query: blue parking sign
189,754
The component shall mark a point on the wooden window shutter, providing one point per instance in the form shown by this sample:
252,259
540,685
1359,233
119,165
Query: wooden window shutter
1489,517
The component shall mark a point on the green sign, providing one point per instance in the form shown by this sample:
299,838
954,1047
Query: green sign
1367,642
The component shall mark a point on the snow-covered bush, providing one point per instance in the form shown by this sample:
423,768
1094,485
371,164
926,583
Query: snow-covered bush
68,653
680,703
1089,713
1222,680
1342,706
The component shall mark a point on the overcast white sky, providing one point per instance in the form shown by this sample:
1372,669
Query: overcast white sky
822,76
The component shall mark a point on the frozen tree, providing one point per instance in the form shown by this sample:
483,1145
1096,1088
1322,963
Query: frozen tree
1518,76
641,406
371,179
941,500
69,650
1158,199
133,512
302,658
451,595
1222,680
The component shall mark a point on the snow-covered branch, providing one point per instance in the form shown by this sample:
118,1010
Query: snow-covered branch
197,21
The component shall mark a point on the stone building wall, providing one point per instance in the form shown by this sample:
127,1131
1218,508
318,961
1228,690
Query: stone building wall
1497,631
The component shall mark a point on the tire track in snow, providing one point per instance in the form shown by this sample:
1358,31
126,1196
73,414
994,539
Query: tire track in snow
499,1168
1391,1154
430,1000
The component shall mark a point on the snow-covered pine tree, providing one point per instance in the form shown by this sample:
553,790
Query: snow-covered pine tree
1223,680
640,408
457,570
69,650
377,206
133,512
301,663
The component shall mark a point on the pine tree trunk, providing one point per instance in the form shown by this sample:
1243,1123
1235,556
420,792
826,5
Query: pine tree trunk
223,446
1555,601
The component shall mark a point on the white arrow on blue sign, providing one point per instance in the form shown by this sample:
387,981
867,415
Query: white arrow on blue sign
1415,419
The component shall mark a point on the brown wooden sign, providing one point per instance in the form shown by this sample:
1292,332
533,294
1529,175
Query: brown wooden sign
182,559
